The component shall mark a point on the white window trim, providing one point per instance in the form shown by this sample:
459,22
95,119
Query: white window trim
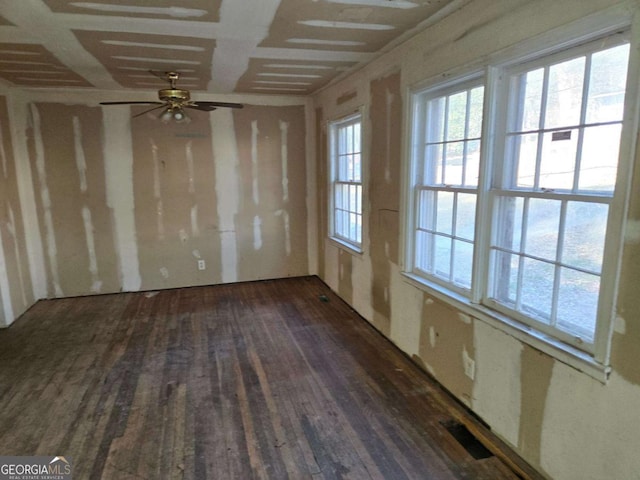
418,125
338,241
598,25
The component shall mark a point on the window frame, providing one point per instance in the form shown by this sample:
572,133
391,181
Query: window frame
420,100
333,128
566,41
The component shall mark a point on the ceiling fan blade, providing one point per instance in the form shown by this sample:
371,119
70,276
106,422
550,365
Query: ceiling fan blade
132,103
212,105
162,75
199,106
147,111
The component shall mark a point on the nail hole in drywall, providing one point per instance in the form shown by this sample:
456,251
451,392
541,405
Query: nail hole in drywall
465,438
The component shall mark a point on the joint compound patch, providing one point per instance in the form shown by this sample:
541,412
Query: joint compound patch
632,232
620,325
432,337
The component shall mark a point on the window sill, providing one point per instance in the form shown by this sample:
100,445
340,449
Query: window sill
343,245
562,352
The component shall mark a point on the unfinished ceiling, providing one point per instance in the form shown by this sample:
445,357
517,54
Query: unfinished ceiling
219,46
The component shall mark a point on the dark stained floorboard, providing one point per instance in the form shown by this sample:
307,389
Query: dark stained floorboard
260,380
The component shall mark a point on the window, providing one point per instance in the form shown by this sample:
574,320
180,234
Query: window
447,183
551,202
346,181
519,227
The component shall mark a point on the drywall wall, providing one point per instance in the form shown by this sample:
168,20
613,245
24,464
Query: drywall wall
565,423
16,292
122,204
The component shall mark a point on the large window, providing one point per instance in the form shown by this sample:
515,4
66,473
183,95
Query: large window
447,183
527,236
346,181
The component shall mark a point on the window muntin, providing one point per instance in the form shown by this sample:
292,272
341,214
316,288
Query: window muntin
346,160
551,204
446,186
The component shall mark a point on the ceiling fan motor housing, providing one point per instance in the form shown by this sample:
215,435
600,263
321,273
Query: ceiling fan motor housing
174,95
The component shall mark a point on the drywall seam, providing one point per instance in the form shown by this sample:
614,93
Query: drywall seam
81,162
11,227
195,227
118,162
50,239
96,283
3,155
257,233
387,165
5,293
18,125
226,164
287,230
254,162
284,152
190,169
157,190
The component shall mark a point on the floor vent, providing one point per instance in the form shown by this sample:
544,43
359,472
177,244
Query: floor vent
465,438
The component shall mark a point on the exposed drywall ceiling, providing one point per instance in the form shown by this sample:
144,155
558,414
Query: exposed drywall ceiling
219,46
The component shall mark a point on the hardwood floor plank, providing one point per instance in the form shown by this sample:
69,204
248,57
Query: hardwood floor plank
260,380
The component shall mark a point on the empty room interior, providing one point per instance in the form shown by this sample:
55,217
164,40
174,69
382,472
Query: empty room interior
321,238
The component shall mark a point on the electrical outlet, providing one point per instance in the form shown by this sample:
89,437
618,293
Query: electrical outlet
470,368
469,365
201,265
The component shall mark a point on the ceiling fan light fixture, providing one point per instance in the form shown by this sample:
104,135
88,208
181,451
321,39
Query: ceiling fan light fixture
180,117
166,115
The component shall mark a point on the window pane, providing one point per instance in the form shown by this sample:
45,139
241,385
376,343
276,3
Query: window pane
585,229
357,168
453,164
607,84
339,222
526,149
537,289
462,264
424,246
426,210
599,165
466,216
472,163
509,225
442,257
456,116
348,130
578,303
353,226
445,213
433,165
564,99
543,221
505,278
558,162
356,137
475,112
435,120
532,83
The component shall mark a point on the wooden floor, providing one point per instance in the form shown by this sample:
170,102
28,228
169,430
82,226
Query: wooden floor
275,379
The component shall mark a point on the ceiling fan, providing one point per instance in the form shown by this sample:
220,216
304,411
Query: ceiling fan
174,100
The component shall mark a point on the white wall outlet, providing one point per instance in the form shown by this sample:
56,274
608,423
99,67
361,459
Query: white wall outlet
201,265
